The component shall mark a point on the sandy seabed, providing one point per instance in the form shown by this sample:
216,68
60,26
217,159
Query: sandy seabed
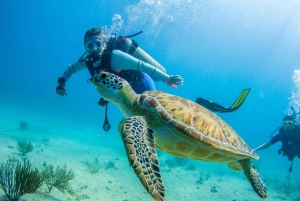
60,143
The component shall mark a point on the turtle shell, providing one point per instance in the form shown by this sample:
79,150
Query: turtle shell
186,129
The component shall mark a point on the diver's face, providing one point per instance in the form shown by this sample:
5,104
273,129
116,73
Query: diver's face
94,44
288,125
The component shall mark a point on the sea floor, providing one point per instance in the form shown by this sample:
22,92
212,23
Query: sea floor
80,148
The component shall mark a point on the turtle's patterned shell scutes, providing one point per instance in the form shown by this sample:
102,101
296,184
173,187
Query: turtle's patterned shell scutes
198,122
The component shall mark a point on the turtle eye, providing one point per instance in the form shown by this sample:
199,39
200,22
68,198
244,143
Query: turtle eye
103,75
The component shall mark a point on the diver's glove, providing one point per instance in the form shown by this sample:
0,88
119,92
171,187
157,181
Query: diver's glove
102,102
60,89
174,81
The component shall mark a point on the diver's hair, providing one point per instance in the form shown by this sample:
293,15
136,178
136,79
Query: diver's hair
91,32
288,117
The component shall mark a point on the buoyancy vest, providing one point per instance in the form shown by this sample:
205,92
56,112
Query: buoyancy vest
290,143
133,77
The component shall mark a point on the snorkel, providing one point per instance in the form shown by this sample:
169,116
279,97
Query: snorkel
295,115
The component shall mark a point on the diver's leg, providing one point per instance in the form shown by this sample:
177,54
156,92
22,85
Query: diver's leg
214,107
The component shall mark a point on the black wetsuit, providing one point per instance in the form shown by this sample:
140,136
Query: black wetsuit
290,142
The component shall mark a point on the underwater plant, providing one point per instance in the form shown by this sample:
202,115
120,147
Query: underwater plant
214,189
24,125
172,162
203,175
169,164
266,177
190,166
94,166
181,162
219,173
287,185
24,147
110,165
58,177
17,180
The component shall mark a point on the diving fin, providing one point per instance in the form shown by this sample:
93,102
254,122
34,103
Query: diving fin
215,107
240,100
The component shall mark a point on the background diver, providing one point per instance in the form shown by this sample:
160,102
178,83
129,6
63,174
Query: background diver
289,135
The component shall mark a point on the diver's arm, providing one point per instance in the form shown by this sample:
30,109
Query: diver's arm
72,69
123,61
263,146
139,53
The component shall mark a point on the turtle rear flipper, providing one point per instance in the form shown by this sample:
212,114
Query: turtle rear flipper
140,149
254,178
235,166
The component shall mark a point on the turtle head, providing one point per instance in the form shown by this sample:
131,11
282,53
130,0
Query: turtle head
111,87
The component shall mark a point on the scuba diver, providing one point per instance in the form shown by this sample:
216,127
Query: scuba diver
121,56
289,135
215,107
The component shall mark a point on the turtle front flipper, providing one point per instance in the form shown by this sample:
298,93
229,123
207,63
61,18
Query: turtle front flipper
140,149
254,178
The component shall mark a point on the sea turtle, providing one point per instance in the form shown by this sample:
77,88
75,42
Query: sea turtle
155,119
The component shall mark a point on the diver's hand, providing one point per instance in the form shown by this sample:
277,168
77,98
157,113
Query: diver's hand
60,90
174,81
102,102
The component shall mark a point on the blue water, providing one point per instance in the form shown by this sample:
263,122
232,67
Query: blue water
218,47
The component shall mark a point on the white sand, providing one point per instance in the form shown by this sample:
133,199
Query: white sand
58,144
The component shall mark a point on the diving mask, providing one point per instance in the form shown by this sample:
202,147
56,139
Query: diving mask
288,124
93,46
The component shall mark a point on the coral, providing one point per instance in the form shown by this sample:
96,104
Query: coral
287,185
169,164
203,175
17,180
58,178
172,162
266,176
24,147
82,197
190,166
94,166
220,173
213,189
24,125
181,162
111,165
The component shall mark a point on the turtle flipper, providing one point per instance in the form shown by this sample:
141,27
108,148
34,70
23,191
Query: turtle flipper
254,178
140,149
